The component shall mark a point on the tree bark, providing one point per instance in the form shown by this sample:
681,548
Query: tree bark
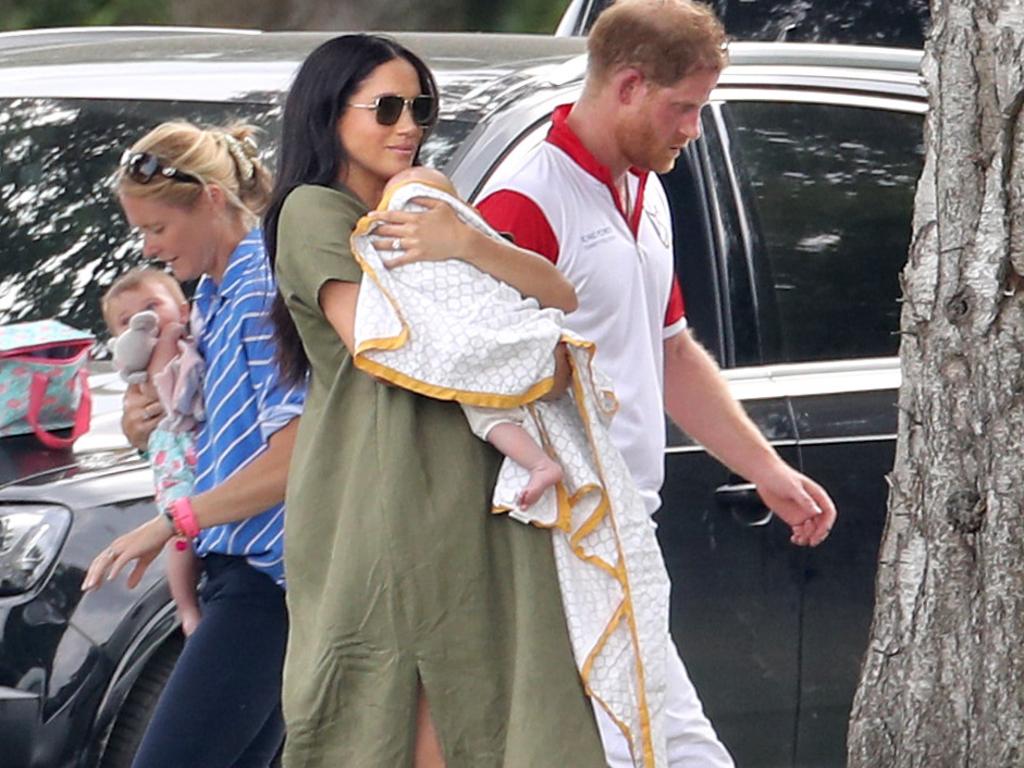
943,678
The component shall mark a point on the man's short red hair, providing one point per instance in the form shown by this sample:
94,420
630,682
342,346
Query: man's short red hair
665,39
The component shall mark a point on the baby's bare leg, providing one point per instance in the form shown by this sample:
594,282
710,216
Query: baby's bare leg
515,442
182,575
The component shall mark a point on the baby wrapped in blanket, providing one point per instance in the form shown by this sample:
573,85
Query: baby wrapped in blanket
447,330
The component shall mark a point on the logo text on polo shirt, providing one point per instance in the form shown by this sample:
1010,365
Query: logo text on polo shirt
595,238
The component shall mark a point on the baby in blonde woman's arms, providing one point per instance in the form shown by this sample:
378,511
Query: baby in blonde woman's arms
147,315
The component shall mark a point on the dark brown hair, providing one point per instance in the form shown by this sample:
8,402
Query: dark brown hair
312,153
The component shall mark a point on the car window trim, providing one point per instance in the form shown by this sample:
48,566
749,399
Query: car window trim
781,380
829,98
506,131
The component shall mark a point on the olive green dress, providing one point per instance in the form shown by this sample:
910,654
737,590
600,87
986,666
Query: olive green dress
398,572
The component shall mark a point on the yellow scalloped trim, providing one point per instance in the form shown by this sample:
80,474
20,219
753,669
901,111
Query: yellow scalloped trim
622,576
617,571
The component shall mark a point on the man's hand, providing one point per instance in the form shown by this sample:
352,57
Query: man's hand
698,399
799,502
142,412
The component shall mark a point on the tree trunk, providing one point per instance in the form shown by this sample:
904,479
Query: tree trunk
943,678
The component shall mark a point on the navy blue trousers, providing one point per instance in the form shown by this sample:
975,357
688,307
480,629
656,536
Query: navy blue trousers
221,707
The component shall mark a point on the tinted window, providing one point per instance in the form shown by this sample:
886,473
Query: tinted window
62,236
739,272
833,189
873,22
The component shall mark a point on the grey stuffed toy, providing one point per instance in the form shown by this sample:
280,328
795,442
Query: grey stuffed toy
133,348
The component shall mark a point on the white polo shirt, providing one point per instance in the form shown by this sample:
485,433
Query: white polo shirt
561,203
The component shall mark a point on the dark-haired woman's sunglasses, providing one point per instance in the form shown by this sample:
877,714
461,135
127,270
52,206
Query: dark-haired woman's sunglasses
389,109
141,167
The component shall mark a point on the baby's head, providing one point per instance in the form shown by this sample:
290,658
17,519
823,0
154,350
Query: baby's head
140,289
423,175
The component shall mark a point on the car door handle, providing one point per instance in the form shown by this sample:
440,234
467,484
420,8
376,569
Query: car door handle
743,503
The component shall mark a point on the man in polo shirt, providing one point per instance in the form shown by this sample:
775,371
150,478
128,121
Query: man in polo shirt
586,199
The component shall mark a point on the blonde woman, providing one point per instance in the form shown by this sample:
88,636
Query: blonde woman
194,194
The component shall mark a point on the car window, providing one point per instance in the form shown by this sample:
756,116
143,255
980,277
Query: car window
832,187
62,236
699,222
745,330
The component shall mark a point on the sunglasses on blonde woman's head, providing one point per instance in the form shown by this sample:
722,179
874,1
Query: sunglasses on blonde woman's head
389,109
141,167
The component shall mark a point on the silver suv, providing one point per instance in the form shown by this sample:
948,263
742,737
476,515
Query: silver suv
791,218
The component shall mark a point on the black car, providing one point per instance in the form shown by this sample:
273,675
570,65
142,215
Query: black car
791,216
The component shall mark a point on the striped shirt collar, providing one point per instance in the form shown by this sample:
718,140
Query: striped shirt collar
242,262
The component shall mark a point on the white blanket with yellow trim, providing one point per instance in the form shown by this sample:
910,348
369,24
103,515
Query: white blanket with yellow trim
447,330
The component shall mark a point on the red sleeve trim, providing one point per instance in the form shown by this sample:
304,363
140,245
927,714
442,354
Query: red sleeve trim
521,217
676,306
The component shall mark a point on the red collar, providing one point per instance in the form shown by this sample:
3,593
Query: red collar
563,137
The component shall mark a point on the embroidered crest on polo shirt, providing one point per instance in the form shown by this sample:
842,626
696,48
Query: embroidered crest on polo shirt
660,228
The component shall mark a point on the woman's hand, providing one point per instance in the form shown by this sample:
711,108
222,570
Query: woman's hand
142,545
142,412
435,234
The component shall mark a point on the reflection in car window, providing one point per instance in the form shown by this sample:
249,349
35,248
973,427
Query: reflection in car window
834,189
62,236
740,270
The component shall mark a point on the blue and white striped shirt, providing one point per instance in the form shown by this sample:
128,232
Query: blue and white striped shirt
246,402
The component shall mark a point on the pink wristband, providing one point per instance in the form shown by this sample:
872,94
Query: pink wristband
184,518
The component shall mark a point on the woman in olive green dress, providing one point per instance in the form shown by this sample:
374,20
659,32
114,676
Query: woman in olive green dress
425,631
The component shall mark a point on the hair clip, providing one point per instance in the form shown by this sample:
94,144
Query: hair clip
243,159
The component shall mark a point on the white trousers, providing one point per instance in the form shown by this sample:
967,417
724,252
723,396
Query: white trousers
692,741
